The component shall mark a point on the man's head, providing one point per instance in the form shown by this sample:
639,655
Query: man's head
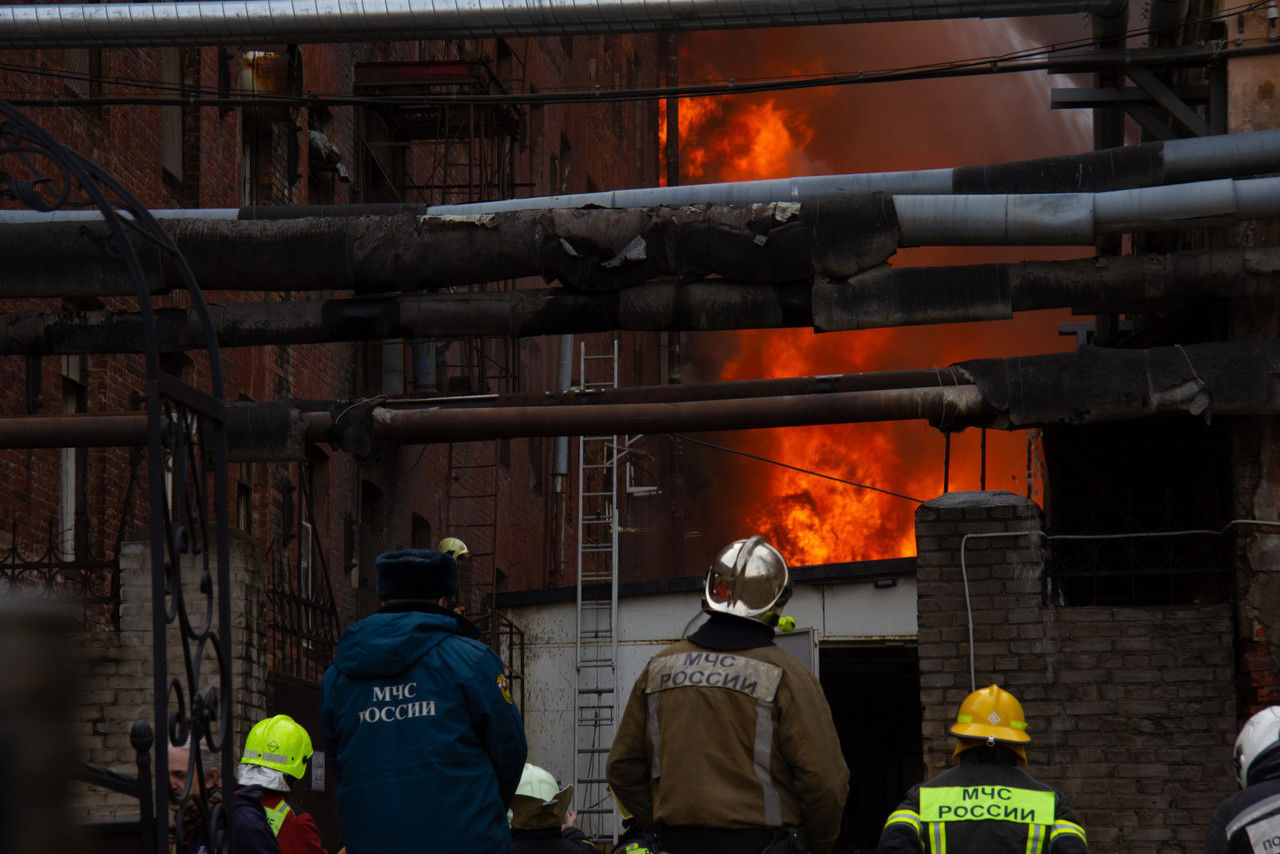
278,744
748,578
418,574
539,803
991,716
180,768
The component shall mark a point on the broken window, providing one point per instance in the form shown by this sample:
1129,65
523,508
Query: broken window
1133,512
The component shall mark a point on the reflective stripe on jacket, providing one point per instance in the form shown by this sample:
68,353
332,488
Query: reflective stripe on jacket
985,804
730,739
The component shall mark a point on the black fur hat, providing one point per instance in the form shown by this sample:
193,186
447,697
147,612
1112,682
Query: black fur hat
416,574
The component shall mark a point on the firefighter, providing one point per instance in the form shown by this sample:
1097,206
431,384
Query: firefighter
1249,821
987,803
455,548
727,743
278,748
541,821
423,737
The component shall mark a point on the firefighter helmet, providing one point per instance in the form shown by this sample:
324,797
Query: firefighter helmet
280,743
991,716
454,548
1258,737
540,802
748,578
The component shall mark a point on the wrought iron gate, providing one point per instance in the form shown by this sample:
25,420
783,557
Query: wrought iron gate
187,454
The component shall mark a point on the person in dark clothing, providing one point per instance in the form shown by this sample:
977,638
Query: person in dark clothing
422,735
987,804
541,821
252,832
1248,822
276,750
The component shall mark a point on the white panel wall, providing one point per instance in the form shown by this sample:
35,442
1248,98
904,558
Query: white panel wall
838,612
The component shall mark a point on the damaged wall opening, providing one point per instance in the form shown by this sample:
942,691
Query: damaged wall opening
1156,475
874,694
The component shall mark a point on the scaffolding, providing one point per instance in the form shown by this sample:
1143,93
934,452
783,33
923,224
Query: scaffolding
596,694
440,153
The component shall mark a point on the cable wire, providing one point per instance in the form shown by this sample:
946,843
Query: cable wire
797,468
1015,61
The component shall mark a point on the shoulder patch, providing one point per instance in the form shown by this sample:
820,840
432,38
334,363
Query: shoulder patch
504,687
750,676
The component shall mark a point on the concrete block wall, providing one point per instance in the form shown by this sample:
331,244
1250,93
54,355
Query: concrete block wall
115,684
1131,711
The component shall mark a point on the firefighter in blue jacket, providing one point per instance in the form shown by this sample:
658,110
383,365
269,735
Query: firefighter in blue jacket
418,721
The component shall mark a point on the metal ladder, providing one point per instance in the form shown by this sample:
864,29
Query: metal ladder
595,701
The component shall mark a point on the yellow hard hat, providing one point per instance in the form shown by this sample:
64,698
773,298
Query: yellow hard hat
454,548
994,716
279,743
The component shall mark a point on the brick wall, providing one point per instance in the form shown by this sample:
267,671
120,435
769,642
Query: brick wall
115,687
1131,711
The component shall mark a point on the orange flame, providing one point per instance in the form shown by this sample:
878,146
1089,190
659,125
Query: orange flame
820,519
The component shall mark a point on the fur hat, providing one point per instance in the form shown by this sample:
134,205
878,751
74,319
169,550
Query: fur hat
416,574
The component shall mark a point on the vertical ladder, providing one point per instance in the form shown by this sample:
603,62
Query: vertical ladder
471,515
595,700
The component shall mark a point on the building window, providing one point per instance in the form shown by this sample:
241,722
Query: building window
1118,501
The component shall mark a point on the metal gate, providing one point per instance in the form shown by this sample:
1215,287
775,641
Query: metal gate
187,461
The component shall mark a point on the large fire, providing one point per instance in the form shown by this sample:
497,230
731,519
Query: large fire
820,519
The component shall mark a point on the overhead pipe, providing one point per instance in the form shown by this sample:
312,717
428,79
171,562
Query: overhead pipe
910,296
1078,219
1148,164
877,298
1109,29
610,249
254,432
1089,385
225,22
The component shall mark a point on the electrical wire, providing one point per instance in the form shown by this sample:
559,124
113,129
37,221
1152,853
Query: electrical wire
1017,61
796,468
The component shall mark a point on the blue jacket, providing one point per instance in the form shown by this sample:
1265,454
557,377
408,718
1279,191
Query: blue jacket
422,735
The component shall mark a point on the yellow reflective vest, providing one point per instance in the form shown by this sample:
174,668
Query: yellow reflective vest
984,805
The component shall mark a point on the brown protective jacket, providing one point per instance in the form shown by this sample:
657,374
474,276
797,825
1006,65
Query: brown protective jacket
733,739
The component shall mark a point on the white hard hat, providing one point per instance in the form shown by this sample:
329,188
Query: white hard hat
1259,736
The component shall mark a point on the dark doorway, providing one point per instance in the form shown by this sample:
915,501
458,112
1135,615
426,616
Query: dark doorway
874,693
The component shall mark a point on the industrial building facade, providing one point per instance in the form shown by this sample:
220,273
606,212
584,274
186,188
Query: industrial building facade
1136,656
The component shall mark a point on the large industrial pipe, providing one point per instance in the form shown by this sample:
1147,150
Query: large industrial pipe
1089,385
422,425
1079,218
1236,155
880,297
298,21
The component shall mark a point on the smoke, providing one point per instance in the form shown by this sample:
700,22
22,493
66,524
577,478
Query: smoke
867,128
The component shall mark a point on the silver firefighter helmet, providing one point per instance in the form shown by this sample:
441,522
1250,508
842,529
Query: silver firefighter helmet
748,578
